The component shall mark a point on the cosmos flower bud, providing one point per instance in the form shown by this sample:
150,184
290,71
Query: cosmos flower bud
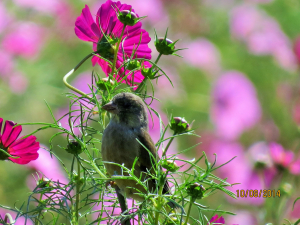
170,165
195,190
133,64
127,17
149,73
165,46
74,147
179,125
105,84
286,189
44,182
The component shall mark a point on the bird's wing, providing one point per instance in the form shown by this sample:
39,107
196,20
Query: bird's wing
148,163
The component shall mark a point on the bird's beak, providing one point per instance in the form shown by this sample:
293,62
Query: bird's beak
110,107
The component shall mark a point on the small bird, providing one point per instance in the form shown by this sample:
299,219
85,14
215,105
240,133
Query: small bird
129,123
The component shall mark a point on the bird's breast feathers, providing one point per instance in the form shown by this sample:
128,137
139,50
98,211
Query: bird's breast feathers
119,145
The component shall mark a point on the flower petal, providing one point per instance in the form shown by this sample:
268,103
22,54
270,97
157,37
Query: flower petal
107,16
24,159
10,134
26,149
85,26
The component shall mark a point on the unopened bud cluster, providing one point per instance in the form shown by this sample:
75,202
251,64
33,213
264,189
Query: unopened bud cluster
170,165
74,147
195,190
179,125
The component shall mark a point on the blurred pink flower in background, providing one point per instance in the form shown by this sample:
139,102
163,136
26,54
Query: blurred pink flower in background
48,7
164,89
109,209
203,54
216,220
296,212
81,82
284,158
239,170
235,107
259,154
153,9
5,18
24,39
87,30
297,49
6,64
48,166
19,221
18,83
262,34
261,1
242,218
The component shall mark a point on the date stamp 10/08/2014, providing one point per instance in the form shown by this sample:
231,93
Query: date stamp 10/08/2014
254,193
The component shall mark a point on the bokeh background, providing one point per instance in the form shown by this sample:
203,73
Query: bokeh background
238,80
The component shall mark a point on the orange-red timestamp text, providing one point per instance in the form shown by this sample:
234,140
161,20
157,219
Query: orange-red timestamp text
262,193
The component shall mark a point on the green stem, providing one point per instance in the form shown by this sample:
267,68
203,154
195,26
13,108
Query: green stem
37,219
72,71
160,201
143,83
158,58
116,52
189,211
168,145
77,192
98,171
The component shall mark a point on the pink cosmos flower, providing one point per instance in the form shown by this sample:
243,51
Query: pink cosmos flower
240,170
19,221
48,166
297,49
45,6
204,55
153,9
6,64
216,220
235,107
284,158
24,148
25,39
107,22
18,83
242,218
262,34
4,17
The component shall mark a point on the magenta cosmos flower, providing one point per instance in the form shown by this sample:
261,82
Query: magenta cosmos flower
235,107
23,148
134,39
217,220
284,159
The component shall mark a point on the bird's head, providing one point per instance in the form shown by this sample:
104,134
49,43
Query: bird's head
129,109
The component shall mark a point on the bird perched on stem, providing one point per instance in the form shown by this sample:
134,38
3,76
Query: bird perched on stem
126,140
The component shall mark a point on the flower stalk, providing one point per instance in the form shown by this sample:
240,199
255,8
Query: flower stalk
192,200
78,183
116,52
143,83
72,71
